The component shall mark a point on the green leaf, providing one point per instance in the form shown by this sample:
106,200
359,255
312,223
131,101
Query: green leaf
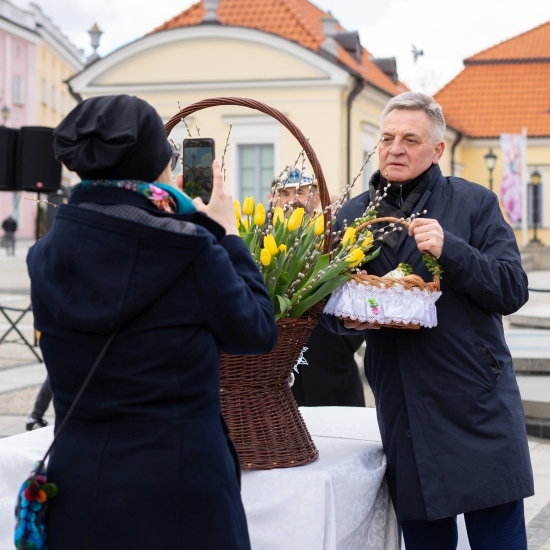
284,305
325,289
432,265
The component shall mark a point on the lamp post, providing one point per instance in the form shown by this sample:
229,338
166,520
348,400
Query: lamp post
490,161
95,34
5,114
535,190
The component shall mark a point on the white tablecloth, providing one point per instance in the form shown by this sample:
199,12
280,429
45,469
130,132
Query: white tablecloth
339,502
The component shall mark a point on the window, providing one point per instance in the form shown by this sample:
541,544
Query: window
256,171
44,92
18,90
367,143
54,98
253,158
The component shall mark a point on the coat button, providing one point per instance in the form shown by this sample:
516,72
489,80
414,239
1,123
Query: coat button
408,433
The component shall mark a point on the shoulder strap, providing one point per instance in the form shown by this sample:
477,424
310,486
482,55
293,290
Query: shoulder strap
40,464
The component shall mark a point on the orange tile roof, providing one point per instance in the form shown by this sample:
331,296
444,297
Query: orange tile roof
503,89
297,20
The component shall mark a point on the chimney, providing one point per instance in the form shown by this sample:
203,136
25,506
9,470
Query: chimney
329,31
211,7
329,25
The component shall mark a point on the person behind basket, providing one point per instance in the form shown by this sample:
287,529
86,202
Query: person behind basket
298,190
330,375
145,461
447,400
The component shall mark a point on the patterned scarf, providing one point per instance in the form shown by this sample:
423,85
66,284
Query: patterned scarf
163,196
404,198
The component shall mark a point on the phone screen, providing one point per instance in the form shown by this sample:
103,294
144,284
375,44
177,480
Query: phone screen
198,154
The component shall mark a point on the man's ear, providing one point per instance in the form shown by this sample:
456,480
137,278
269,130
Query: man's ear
317,199
438,151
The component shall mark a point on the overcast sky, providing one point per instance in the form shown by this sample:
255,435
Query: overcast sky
447,31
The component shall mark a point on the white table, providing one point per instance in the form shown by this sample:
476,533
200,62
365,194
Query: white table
339,502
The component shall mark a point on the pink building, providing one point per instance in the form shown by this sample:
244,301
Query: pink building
34,55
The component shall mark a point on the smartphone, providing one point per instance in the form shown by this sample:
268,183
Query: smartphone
198,154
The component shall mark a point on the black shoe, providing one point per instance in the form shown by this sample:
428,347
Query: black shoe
35,423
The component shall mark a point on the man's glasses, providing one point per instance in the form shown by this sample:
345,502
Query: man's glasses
174,160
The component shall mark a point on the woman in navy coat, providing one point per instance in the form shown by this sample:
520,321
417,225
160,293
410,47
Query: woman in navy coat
145,460
447,400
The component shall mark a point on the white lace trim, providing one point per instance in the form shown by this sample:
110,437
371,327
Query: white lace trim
384,305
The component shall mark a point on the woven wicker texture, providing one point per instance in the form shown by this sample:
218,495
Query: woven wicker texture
408,282
257,404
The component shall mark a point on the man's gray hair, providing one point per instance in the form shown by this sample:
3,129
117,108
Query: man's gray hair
417,101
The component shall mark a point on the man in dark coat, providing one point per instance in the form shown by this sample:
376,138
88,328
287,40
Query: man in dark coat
447,400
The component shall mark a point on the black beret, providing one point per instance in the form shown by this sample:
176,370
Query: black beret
113,137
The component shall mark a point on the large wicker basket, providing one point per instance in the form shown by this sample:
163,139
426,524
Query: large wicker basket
257,403
407,302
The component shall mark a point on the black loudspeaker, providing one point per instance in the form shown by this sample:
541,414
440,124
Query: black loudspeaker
37,169
8,149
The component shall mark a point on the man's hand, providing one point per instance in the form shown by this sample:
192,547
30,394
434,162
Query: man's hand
359,325
428,235
220,208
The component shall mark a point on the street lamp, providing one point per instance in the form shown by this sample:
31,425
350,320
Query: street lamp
535,187
5,114
95,34
490,161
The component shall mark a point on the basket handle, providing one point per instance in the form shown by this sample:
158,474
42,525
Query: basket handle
288,124
405,223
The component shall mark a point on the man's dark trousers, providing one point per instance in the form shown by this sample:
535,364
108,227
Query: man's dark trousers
497,528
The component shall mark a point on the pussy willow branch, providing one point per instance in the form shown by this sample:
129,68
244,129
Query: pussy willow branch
41,200
185,123
225,151
345,193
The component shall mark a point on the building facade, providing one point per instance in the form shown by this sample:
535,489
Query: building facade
289,55
35,61
506,90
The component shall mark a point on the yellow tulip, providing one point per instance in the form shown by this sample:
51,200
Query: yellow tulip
367,241
265,257
245,223
349,237
237,209
355,257
259,214
278,215
282,248
270,244
248,206
295,219
319,227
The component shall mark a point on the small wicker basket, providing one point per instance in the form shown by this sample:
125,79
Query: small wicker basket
407,302
257,404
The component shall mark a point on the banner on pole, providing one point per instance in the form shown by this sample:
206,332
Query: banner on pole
511,189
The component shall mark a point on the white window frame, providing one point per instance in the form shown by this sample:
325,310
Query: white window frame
263,196
54,97
249,130
18,90
368,142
